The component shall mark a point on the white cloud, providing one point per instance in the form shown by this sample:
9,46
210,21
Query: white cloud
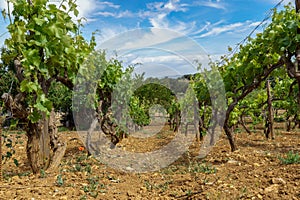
175,6
212,4
149,38
123,14
237,27
158,50
159,21
159,11
168,7
86,7
109,32
105,14
206,27
106,4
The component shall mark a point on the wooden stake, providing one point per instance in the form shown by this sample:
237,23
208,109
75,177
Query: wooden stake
270,112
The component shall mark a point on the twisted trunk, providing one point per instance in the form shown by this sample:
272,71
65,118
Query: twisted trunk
45,148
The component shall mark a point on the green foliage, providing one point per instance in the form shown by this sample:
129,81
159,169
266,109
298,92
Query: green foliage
93,185
153,92
286,91
59,180
7,176
61,96
43,173
245,72
46,41
290,158
162,187
104,80
10,145
139,112
254,58
202,168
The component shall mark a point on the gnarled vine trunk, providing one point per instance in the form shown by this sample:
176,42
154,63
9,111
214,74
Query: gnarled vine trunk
45,148
38,145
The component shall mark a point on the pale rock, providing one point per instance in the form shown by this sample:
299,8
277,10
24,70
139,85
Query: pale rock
256,164
234,162
259,196
278,181
130,194
272,188
129,169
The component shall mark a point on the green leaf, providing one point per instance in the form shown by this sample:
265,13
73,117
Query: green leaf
8,154
16,162
76,12
38,21
27,86
35,116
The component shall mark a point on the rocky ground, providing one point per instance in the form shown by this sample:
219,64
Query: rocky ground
255,171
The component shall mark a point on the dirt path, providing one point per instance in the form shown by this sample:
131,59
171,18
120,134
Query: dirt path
252,172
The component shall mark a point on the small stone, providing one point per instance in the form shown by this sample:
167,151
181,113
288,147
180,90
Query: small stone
272,188
130,194
234,162
129,169
259,196
256,164
278,181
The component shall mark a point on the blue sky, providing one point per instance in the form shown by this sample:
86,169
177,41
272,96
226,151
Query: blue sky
154,28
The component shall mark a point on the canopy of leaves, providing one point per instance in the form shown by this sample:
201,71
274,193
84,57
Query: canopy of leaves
44,38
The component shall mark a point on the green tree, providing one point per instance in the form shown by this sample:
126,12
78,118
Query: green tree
249,68
253,64
46,46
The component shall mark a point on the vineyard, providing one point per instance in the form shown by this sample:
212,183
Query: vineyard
68,113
